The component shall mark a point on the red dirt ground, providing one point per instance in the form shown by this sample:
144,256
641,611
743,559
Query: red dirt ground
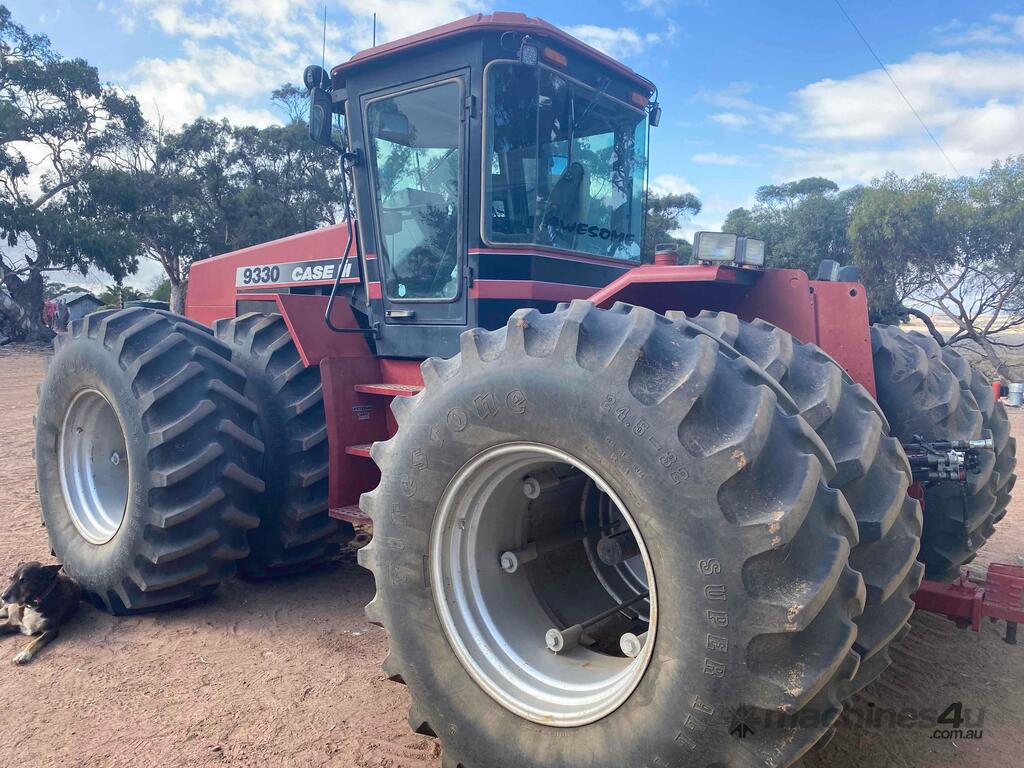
287,673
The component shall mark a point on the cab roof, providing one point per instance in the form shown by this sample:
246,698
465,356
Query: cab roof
494,22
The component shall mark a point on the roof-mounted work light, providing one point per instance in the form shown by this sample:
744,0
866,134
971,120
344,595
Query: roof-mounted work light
715,247
750,252
529,52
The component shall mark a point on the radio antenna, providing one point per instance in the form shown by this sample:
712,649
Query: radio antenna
375,30
323,50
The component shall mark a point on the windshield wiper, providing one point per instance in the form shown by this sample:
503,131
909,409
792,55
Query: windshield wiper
586,113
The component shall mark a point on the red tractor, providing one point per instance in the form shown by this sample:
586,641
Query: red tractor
616,507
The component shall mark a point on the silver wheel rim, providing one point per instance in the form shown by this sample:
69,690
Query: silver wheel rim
94,473
496,621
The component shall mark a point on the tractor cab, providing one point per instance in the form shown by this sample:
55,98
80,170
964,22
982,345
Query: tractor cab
496,163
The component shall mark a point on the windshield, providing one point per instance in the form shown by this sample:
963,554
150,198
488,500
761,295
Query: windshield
565,164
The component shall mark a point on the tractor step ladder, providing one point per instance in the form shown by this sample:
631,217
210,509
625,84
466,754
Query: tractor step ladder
353,514
389,390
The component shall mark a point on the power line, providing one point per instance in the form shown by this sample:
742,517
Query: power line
899,90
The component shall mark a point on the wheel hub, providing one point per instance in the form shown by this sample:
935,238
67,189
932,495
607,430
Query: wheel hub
93,464
518,589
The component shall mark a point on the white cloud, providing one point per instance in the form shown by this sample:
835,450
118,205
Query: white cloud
401,18
742,112
1000,29
670,184
855,129
231,52
242,115
731,119
940,86
734,97
1015,22
235,52
618,42
714,158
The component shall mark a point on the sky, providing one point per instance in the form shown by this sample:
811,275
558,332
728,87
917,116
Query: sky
753,92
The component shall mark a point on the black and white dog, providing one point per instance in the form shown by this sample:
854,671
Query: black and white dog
38,601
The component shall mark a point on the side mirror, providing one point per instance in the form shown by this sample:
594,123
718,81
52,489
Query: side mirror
321,117
315,76
654,116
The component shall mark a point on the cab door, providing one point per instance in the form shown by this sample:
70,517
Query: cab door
416,152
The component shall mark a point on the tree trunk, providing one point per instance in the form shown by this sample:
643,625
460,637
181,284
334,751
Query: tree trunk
1002,369
21,303
178,296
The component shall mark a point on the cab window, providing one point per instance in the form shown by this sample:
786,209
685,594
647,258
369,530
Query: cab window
416,140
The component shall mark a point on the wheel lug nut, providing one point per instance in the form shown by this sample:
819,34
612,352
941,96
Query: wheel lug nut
632,645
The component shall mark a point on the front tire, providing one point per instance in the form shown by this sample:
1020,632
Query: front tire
145,459
752,600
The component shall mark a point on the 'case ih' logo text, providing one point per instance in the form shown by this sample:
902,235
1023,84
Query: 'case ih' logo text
286,273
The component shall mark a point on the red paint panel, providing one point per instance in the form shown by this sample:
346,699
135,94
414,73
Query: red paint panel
841,313
211,286
967,601
657,277
353,418
957,601
782,297
406,372
305,318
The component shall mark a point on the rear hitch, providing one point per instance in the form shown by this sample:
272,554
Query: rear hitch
997,595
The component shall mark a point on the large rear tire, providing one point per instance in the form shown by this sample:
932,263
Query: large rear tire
874,474
145,459
930,391
295,529
993,418
742,546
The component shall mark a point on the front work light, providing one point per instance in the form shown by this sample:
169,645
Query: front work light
717,247
750,252
529,52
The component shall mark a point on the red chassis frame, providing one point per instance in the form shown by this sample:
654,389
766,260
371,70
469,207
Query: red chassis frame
358,384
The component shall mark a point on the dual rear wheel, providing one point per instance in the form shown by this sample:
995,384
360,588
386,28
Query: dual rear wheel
167,458
630,538
612,534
